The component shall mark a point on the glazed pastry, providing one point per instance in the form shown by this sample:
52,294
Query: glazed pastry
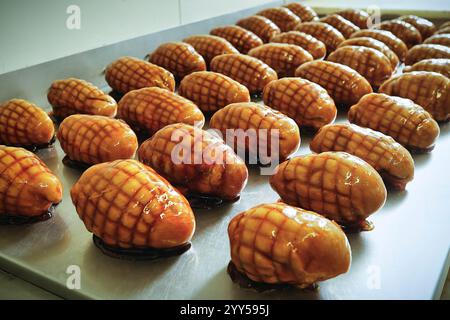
426,51
151,109
132,211
429,90
374,44
358,17
343,25
29,191
443,30
442,39
337,185
179,58
344,85
392,161
425,27
196,161
276,244
304,12
264,28
248,71
210,46
388,38
403,30
370,63
282,57
441,66
211,91
263,121
89,140
127,73
329,35
75,96
240,38
24,124
302,100
284,18
408,123
444,25
315,47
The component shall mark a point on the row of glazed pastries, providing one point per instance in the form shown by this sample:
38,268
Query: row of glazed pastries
304,68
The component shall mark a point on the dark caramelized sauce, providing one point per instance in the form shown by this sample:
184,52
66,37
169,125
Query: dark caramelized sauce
75,164
198,201
37,147
417,150
23,220
358,227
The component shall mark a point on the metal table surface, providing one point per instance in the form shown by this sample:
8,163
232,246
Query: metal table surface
406,256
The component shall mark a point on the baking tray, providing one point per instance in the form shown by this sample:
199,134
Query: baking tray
406,256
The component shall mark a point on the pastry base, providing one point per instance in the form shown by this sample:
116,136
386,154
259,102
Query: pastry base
75,164
16,220
198,201
37,147
357,227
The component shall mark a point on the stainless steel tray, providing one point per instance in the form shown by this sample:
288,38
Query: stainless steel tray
406,256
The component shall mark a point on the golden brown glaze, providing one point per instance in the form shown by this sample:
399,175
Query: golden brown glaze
427,51
282,57
370,63
248,71
430,90
23,123
329,35
284,18
210,46
211,91
260,122
151,109
179,58
344,85
408,123
343,25
315,47
441,66
357,17
442,39
264,28
75,96
444,25
403,30
388,38
27,187
392,161
242,39
304,12
128,205
302,100
205,166
279,244
425,27
128,73
443,30
95,139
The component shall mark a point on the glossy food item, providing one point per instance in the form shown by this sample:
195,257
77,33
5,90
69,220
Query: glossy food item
315,47
279,244
388,38
374,44
282,57
343,25
337,185
444,25
275,136
403,30
357,17
442,39
425,27
210,46
441,66
430,90
370,63
408,123
392,161
150,109
284,18
264,28
23,123
426,51
304,12
248,71
242,39
128,73
28,189
211,91
329,35
343,84
129,206
443,30
94,139
75,96
205,165
302,100
179,58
